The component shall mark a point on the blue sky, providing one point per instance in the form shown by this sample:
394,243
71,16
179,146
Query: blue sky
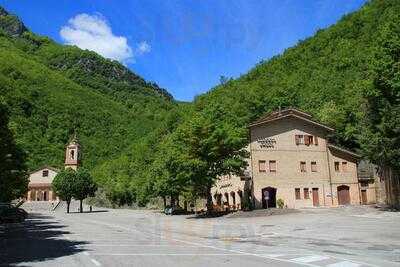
184,46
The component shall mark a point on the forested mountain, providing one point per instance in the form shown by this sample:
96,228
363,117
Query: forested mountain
53,90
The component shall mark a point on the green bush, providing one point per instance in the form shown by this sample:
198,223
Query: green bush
280,203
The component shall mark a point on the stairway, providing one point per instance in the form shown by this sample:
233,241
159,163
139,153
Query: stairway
38,206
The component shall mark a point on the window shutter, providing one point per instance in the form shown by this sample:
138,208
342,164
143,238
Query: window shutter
316,140
297,139
306,140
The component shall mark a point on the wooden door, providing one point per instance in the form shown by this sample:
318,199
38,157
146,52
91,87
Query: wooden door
364,197
315,197
343,195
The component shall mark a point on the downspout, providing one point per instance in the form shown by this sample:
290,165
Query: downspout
329,170
359,188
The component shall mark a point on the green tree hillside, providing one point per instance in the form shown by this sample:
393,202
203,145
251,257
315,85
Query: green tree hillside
53,90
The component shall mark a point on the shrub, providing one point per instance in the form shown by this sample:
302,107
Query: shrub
280,203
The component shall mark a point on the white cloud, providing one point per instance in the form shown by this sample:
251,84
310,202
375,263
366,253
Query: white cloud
143,47
93,32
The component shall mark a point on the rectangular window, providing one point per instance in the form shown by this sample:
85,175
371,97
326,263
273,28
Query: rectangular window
313,166
272,165
336,166
299,139
297,193
45,173
303,166
308,140
306,194
344,166
316,140
262,166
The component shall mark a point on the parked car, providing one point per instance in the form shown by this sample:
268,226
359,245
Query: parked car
10,214
174,211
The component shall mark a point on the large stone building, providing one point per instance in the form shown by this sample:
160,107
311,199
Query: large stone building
39,187
291,159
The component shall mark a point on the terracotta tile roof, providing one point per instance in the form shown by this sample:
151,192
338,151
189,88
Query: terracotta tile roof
45,167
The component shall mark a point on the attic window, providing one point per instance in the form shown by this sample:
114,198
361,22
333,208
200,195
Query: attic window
308,140
45,173
72,155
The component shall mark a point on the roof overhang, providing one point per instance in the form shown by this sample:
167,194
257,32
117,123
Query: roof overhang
292,116
351,153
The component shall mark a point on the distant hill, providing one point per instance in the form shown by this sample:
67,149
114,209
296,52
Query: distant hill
53,90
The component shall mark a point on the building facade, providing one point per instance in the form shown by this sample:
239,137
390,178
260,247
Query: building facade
291,160
39,187
372,185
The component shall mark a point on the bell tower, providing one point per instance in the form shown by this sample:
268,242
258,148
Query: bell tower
73,154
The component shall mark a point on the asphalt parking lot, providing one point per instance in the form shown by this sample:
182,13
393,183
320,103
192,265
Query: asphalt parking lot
338,237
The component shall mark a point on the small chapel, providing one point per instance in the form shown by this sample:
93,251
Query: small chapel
39,187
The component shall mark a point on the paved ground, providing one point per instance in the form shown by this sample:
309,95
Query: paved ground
342,237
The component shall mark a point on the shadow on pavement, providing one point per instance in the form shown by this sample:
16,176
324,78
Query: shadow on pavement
37,239
86,211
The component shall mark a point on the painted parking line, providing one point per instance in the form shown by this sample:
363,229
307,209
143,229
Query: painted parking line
312,258
169,254
136,245
344,264
96,262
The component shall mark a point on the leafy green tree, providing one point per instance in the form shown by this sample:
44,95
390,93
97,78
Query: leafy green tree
63,185
381,134
83,186
13,175
213,147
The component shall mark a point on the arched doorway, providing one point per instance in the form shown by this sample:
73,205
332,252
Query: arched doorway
233,196
343,192
268,197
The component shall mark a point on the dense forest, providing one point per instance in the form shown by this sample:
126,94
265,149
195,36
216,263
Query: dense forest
140,144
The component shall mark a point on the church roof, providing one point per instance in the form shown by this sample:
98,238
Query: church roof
289,113
45,167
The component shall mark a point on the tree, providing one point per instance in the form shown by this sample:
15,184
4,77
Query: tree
63,185
83,186
13,174
381,133
213,147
